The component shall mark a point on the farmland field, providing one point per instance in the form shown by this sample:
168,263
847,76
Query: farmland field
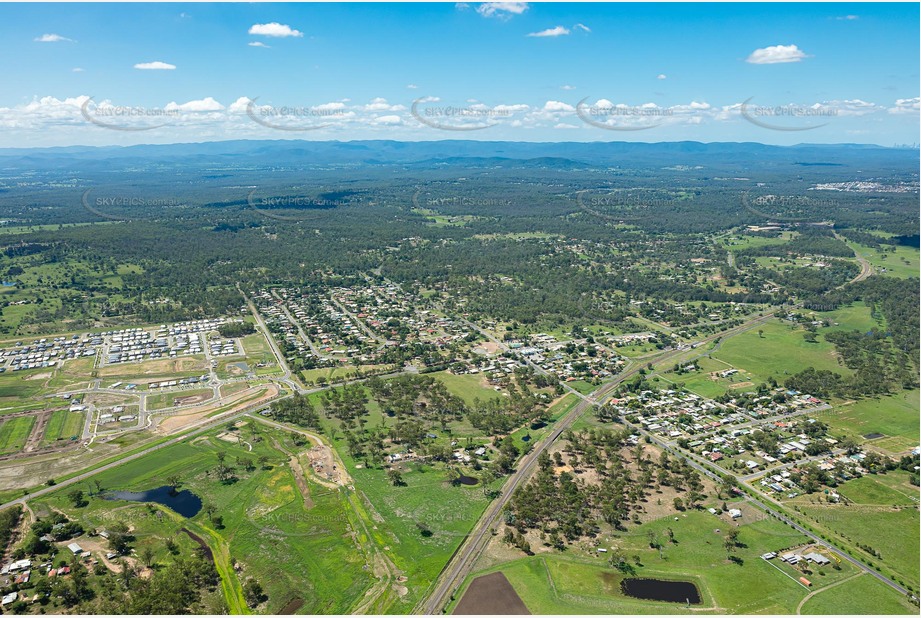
63,425
861,595
883,508
467,386
14,433
577,583
903,262
703,384
778,351
256,520
892,415
856,316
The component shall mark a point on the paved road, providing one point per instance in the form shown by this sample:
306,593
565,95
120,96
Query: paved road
297,325
706,470
200,427
287,378
791,464
866,269
466,556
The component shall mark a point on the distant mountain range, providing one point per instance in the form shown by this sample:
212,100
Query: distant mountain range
478,153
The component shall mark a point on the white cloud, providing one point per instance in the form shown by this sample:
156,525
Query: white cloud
582,27
52,38
696,105
412,86
51,103
661,76
567,87
557,31
563,125
847,18
511,109
776,54
274,29
208,104
388,120
380,104
558,106
906,106
77,70
239,106
42,114
331,106
502,9
258,44
155,66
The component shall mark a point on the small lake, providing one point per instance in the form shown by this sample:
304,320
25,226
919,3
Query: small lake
183,502
661,590
467,480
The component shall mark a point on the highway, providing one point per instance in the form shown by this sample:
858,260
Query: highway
465,558
705,469
198,428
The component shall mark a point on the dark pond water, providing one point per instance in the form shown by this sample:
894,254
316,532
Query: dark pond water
661,590
291,607
201,544
467,480
183,502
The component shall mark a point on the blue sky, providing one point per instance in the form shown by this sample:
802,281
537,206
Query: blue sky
772,73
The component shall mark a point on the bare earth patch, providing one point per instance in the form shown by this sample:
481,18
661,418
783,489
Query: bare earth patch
38,376
177,422
741,385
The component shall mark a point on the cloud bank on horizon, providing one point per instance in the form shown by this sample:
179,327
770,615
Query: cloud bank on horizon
339,72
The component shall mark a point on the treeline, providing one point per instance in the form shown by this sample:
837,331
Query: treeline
806,244
236,329
174,589
897,300
808,282
876,242
9,521
564,506
297,410
414,407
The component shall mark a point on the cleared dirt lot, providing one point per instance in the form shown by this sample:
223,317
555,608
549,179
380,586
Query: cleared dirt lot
491,594
177,422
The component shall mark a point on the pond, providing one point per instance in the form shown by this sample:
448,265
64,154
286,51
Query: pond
183,502
661,590
467,480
